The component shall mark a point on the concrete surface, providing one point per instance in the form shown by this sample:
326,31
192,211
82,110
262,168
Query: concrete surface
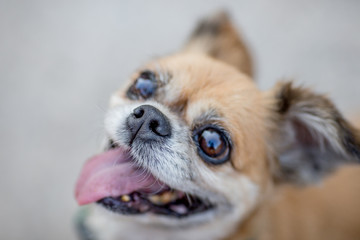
59,61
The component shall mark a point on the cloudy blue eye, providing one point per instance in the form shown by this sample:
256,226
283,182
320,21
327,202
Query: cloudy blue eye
144,86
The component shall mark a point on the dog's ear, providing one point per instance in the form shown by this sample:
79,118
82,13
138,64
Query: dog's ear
310,137
217,37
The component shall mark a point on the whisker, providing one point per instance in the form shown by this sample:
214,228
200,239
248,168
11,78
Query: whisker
146,176
188,198
141,173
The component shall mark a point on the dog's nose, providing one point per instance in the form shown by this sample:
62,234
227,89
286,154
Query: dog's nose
148,123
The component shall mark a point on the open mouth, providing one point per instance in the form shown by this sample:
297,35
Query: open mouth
169,202
113,180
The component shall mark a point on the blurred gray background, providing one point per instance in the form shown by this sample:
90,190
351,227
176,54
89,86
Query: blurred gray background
60,60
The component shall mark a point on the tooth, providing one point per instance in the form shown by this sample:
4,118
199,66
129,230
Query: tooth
167,197
163,198
155,199
125,198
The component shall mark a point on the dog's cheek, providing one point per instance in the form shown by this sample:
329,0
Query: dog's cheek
243,195
173,159
238,189
115,123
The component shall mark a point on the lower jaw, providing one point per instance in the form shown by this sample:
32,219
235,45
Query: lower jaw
138,203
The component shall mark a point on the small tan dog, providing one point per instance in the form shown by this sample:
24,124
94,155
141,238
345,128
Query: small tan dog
196,151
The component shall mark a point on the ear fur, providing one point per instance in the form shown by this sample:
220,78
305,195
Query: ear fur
311,136
216,37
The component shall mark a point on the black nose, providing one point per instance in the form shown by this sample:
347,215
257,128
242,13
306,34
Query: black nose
148,123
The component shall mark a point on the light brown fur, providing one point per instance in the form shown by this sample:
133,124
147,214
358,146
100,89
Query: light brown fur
329,210
326,210
219,39
309,198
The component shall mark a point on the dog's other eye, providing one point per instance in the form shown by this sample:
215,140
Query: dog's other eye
213,146
144,86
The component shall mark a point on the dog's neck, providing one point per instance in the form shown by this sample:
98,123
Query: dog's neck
300,211
251,227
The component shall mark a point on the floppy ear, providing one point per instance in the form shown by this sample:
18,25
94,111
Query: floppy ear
310,138
216,37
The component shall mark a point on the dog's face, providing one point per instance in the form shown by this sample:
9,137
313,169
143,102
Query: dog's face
192,142
197,126
208,135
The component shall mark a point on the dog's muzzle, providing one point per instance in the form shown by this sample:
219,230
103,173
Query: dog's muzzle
116,181
148,123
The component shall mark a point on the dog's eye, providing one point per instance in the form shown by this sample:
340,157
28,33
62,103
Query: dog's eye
213,146
144,86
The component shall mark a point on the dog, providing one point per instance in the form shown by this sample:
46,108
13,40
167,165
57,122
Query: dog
194,150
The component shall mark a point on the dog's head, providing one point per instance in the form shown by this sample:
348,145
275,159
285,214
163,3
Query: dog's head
192,142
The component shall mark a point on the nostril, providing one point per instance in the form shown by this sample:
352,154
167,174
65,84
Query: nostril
153,125
148,122
159,127
138,112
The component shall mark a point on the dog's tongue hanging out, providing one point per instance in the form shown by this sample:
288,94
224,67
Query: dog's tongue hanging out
112,174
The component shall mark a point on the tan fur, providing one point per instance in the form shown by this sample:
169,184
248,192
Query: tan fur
330,210
236,90
213,72
217,37
356,121
240,103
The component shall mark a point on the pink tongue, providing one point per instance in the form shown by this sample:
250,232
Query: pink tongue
112,174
